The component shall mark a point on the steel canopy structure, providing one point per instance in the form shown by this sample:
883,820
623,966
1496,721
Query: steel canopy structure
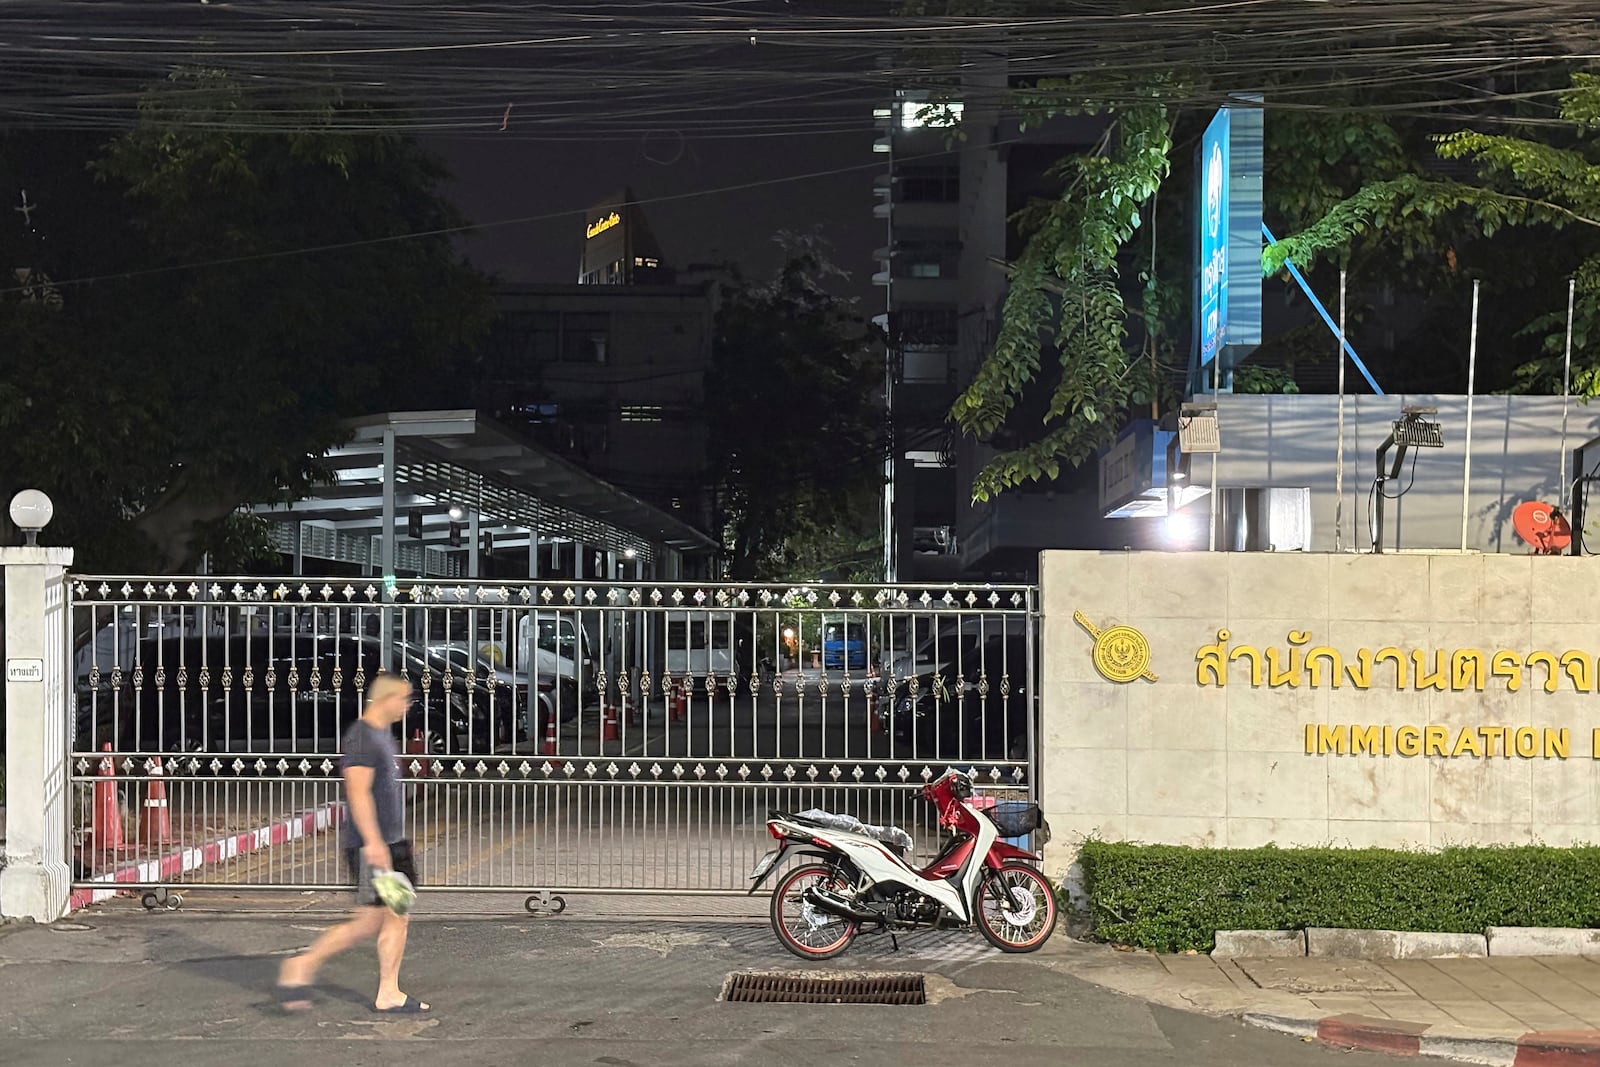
456,488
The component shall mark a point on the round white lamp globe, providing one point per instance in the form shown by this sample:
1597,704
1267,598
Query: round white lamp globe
31,511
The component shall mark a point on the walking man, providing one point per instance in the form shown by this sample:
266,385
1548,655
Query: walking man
372,841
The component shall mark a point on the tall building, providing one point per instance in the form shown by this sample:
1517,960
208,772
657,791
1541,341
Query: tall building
618,247
919,270
946,204
613,378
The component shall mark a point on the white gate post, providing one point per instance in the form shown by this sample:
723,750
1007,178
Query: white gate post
35,879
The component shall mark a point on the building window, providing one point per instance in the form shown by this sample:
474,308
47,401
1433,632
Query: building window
926,253
641,413
543,337
585,337
924,327
929,183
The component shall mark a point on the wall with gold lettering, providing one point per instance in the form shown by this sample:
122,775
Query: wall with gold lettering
1236,699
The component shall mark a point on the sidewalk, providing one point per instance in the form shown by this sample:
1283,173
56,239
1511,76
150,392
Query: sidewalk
1493,1010
116,986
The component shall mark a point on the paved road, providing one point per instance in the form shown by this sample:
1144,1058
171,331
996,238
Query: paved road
148,991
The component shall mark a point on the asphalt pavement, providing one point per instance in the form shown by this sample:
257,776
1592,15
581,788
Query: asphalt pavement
117,987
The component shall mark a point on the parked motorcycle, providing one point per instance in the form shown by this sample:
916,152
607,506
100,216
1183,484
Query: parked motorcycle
862,878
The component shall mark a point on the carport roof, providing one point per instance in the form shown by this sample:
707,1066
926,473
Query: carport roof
460,457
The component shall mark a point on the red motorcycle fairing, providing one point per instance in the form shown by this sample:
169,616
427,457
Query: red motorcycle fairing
1000,851
950,860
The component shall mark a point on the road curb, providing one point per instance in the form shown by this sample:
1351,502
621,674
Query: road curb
1397,1037
167,868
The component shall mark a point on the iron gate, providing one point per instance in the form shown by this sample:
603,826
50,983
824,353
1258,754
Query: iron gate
594,737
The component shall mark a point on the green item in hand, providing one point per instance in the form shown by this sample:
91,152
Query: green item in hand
395,890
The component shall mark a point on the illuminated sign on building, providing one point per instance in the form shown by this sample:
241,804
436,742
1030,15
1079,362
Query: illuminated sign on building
600,226
1214,154
1228,194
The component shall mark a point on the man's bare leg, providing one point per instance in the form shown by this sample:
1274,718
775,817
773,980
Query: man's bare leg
299,971
391,950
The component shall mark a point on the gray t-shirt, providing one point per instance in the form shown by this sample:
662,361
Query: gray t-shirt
368,746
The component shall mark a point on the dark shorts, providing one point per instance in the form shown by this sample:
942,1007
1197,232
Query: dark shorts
405,862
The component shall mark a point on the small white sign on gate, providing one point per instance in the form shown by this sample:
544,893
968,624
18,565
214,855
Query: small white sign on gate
24,670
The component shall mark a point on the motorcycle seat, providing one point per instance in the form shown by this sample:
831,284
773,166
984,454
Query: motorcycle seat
893,836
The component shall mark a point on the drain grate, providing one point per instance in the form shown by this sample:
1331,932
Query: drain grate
801,988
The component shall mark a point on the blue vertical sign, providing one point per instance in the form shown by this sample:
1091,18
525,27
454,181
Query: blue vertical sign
1215,164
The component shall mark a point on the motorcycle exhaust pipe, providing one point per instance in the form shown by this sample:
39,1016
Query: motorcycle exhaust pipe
837,905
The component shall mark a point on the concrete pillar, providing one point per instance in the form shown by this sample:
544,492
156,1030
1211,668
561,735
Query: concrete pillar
474,544
533,553
35,881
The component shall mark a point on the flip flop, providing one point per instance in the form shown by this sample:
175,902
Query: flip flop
293,998
412,1006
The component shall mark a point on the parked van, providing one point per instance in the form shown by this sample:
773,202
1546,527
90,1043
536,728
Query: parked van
552,644
700,643
844,643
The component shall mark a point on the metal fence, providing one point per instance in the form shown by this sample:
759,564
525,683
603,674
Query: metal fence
584,737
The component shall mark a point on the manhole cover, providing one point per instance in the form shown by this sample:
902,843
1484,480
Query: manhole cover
793,988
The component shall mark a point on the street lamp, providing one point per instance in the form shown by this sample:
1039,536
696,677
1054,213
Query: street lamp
31,511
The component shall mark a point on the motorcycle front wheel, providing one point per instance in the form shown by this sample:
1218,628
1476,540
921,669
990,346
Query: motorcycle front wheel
1016,908
802,928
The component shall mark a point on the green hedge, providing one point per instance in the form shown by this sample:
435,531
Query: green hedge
1171,899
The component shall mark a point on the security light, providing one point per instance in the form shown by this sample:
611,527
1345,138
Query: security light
1411,430
1197,428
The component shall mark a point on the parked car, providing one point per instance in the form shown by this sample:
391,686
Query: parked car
971,703
508,684
275,693
931,641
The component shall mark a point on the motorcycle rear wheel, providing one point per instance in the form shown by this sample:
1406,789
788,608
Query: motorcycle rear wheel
803,929
1016,908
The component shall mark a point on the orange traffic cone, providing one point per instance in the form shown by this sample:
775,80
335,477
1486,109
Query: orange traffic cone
106,829
549,735
874,720
608,722
155,826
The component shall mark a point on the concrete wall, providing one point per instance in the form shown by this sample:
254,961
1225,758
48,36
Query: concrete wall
1184,760
1291,441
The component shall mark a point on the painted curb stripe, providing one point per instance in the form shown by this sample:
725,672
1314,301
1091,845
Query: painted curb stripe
173,865
1577,1048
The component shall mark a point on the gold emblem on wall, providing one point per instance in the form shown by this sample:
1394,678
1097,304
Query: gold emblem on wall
1121,653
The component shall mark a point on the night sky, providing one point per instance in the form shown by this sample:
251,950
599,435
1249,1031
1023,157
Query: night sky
508,177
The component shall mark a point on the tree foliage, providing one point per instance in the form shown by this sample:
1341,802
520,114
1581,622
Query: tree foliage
213,360
1357,169
1544,179
797,433
1065,298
